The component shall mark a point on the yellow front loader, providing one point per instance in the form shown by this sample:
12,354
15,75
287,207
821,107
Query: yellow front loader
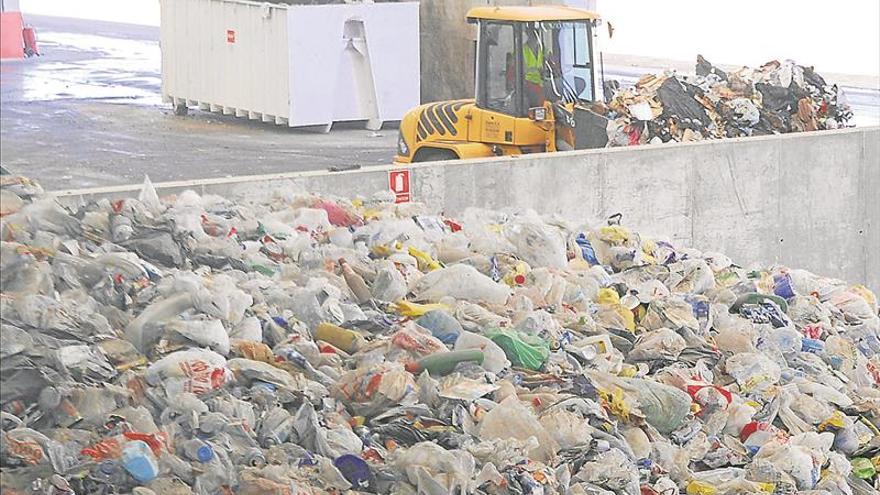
536,84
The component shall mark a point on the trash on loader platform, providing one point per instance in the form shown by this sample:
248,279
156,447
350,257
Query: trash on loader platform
778,97
301,344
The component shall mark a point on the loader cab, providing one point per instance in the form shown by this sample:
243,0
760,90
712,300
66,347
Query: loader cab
522,64
534,65
535,83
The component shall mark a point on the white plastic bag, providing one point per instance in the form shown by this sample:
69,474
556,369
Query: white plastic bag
511,419
435,470
193,370
537,244
389,284
460,282
205,333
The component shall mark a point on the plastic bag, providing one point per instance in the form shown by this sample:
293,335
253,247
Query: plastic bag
612,470
753,371
523,350
511,419
249,328
695,277
205,333
482,228
248,370
662,344
664,407
537,244
193,370
417,341
389,284
567,428
460,282
375,389
150,198
435,470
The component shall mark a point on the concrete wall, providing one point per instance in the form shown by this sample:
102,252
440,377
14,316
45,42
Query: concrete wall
808,200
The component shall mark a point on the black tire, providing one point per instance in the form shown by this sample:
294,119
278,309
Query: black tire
434,155
181,110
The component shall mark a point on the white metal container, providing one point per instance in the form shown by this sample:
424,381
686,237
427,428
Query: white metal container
293,65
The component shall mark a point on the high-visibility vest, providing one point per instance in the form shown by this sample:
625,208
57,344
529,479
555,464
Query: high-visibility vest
534,65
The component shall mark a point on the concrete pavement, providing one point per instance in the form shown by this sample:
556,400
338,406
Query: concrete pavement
89,113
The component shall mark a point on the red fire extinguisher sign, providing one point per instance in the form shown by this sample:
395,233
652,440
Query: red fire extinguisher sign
398,182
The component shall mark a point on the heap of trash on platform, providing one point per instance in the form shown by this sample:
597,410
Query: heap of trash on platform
297,344
778,97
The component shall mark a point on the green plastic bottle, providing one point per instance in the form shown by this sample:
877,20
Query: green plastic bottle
442,363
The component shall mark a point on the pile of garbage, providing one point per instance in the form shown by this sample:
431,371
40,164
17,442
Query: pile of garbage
772,99
299,344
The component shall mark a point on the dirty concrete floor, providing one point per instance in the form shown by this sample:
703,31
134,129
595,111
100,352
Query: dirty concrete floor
88,113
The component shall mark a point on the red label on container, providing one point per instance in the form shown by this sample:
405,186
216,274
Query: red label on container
230,36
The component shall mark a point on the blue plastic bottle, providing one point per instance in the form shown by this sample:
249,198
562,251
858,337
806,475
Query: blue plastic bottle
442,325
138,460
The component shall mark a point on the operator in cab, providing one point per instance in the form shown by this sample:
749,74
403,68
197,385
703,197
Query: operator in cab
533,61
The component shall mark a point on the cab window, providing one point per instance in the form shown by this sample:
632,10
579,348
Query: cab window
498,85
575,59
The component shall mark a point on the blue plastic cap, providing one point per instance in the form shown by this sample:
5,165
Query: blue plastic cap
205,453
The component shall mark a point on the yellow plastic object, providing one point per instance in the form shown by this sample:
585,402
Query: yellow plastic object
628,371
616,403
754,381
614,234
370,213
426,262
341,338
414,310
610,298
699,488
648,247
765,284
381,251
607,296
835,421
517,276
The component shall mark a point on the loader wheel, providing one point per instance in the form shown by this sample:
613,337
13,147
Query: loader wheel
180,109
434,155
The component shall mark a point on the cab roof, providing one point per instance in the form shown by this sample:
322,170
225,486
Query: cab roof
532,14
